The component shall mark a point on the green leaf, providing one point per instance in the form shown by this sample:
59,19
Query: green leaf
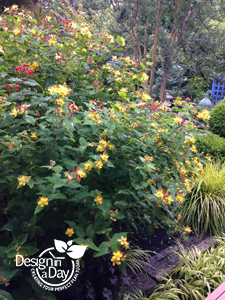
22,239
119,40
122,94
31,183
185,236
56,196
90,231
103,249
29,119
80,232
2,251
169,233
38,209
143,66
5,295
122,267
83,142
57,169
31,82
71,224
115,245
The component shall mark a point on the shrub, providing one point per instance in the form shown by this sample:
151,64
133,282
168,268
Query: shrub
204,207
217,120
211,144
81,160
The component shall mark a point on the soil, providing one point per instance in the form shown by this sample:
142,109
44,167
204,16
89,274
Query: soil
157,242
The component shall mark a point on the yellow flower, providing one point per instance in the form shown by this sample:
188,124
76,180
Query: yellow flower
183,171
148,158
153,124
123,242
69,232
188,163
169,199
23,180
149,181
116,258
99,199
99,164
88,166
178,120
81,173
43,201
145,97
193,148
63,90
159,193
179,198
16,31
100,148
123,41
33,135
14,112
60,101
19,258
111,146
52,42
15,7
144,77
104,156
188,230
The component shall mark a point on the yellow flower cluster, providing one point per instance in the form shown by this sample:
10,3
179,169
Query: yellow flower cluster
123,242
35,66
43,201
190,140
61,89
145,97
23,180
69,232
99,199
60,101
144,77
204,115
148,158
95,117
116,258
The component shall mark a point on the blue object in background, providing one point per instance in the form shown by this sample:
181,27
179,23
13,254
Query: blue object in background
113,63
218,90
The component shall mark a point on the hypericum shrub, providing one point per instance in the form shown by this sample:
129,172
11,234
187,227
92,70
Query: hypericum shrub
78,155
217,120
211,144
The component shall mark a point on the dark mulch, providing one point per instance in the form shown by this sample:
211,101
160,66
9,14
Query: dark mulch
157,242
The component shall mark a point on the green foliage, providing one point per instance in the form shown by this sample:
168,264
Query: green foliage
203,208
211,144
81,151
217,119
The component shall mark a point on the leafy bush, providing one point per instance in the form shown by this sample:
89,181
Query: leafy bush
204,207
195,277
82,153
217,120
211,144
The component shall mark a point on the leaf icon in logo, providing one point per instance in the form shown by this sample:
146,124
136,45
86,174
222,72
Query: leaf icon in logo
76,251
60,246
69,243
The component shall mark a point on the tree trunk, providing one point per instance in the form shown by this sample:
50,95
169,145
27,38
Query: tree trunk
155,48
163,87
